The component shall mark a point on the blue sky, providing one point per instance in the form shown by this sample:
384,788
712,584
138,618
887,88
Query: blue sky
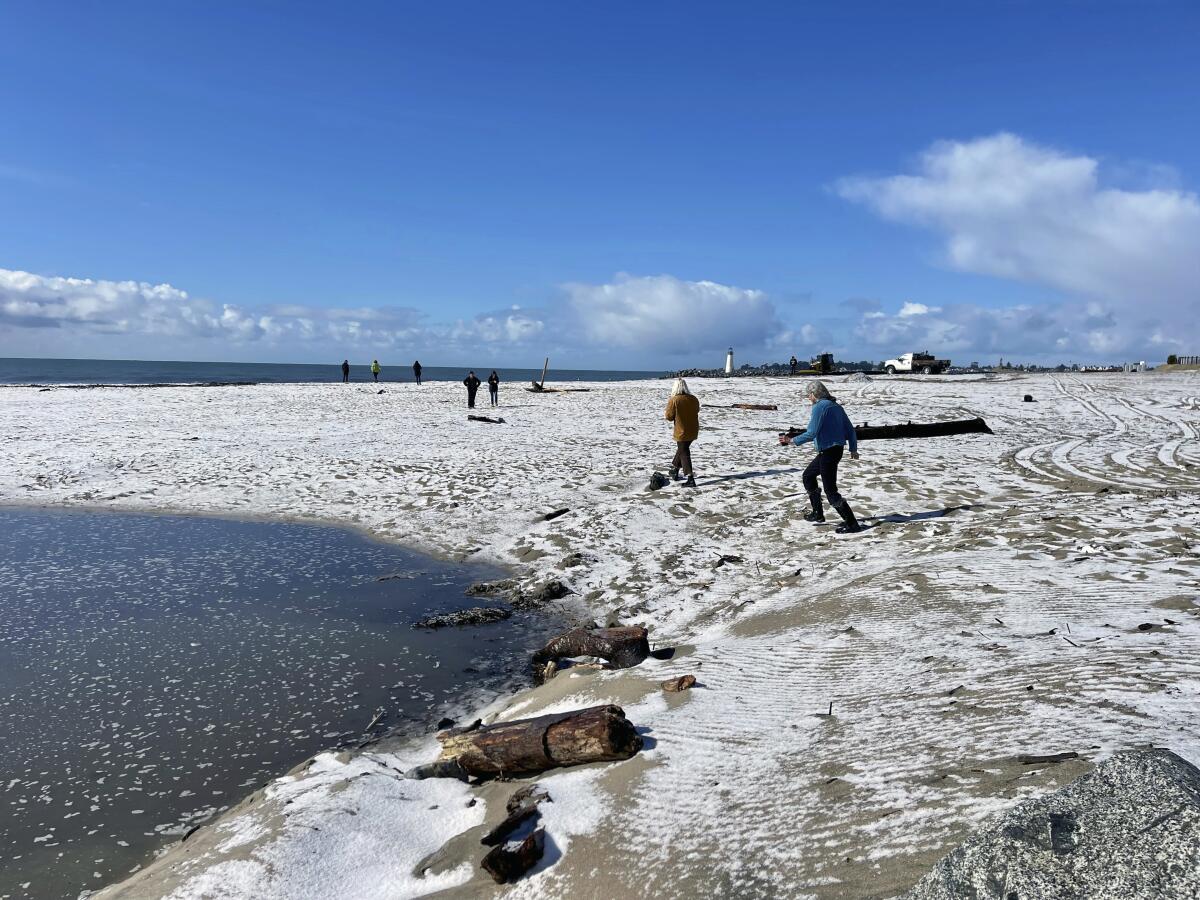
645,182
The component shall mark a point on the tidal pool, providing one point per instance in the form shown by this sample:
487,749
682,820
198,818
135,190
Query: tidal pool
155,669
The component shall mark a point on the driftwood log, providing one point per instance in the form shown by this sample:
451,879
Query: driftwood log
907,430
487,419
921,430
621,647
523,746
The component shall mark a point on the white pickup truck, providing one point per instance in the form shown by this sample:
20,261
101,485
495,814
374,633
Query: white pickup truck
916,362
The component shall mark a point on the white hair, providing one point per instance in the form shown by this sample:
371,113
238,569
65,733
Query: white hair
816,388
680,387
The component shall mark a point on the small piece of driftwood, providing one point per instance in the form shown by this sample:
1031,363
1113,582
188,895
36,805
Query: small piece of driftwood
517,817
594,734
510,861
1030,759
675,685
763,407
622,647
487,419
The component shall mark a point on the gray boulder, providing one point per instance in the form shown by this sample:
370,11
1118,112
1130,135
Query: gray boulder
1129,829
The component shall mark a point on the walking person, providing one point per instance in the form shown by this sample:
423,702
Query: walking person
417,371
829,428
684,410
375,370
472,384
345,371
494,387
793,363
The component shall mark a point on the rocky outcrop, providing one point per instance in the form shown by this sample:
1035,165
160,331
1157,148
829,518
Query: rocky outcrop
1129,829
476,615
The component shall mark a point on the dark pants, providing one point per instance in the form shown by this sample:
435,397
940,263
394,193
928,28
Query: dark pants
417,375
471,397
825,465
375,375
345,375
495,392
683,457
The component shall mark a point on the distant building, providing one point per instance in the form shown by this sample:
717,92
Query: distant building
729,362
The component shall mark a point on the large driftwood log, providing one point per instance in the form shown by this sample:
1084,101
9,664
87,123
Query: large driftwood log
621,647
921,430
595,734
907,430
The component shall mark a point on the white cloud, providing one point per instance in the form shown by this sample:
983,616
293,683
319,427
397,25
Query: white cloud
1010,208
512,327
917,309
1049,333
667,314
79,307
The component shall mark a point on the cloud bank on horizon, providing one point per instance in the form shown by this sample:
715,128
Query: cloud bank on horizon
659,315
1125,263
1121,267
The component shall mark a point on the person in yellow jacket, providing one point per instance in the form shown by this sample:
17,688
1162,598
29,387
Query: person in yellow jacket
375,369
684,410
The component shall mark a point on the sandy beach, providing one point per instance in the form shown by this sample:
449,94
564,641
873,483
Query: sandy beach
991,610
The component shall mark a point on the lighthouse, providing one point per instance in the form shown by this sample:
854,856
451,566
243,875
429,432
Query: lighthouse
729,362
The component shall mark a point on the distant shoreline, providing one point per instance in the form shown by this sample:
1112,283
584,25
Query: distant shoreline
89,373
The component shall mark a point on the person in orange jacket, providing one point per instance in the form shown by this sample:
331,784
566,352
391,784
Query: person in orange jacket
684,410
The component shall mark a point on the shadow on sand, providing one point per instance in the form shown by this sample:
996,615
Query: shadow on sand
901,518
743,476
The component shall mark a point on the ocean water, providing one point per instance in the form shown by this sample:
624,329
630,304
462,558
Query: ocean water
119,371
156,669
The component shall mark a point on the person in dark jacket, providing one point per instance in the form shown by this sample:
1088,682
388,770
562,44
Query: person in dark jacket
417,371
829,428
793,363
684,410
494,388
472,384
345,371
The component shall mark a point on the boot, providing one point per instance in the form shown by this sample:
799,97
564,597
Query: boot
674,473
850,524
691,481
817,514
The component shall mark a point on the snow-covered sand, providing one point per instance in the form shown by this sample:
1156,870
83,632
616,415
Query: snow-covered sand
993,612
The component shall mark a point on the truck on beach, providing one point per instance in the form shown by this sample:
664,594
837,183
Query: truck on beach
921,362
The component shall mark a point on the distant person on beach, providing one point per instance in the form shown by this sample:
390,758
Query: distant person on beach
684,410
472,384
793,363
417,371
345,371
829,428
375,369
494,388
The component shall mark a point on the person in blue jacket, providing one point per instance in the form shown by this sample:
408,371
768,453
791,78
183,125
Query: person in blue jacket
830,430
